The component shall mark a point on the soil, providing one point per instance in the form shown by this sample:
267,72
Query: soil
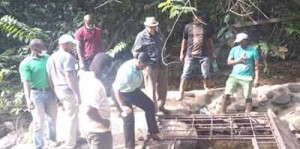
280,72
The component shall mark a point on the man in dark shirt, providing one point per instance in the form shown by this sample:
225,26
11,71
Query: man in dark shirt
90,42
197,38
150,40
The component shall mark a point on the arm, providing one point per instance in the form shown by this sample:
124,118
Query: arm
94,115
212,47
256,70
121,102
232,61
79,48
182,51
27,89
137,47
72,82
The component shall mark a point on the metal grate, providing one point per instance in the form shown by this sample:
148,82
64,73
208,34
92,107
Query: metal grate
259,129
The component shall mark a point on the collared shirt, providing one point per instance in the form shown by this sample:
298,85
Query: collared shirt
90,41
197,43
33,69
152,44
58,64
128,78
93,94
245,69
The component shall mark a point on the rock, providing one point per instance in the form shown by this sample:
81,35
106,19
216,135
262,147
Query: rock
282,100
294,88
5,128
296,122
296,98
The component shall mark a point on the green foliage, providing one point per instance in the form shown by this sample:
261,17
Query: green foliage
175,7
18,30
117,49
293,29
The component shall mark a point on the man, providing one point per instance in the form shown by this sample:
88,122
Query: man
197,39
39,96
63,79
244,59
151,41
90,42
127,93
95,105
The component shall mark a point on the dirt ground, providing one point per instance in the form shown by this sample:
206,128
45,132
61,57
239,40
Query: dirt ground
280,73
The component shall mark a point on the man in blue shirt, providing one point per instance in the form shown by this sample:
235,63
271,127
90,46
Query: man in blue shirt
127,92
244,59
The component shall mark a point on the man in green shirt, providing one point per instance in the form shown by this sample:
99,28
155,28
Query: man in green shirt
39,97
244,59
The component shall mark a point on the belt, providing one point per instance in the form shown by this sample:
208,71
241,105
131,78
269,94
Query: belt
41,89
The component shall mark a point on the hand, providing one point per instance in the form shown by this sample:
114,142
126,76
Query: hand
126,109
181,58
78,100
30,105
242,58
105,122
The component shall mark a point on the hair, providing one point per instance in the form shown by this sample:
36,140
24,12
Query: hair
144,57
99,63
35,42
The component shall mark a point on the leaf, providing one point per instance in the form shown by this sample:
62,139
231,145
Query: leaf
222,31
227,18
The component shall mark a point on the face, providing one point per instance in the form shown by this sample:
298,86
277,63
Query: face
197,19
89,23
39,48
245,43
141,65
68,46
151,29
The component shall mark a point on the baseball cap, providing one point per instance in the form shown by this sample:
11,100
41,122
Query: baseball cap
240,37
66,38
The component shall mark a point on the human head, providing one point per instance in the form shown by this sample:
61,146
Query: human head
66,42
88,21
37,46
143,60
151,25
100,64
200,16
242,39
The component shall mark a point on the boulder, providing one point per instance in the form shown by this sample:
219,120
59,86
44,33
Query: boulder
282,100
294,88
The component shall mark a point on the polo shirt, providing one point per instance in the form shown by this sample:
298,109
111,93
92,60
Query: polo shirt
90,41
244,69
33,69
128,78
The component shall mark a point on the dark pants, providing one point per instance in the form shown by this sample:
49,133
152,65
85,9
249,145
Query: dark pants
87,63
139,99
99,140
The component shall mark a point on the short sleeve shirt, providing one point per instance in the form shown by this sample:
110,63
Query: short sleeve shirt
93,94
246,68
33,69
59,63
91,41
128,78
196,36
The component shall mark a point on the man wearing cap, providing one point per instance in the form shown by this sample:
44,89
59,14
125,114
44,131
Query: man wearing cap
197,39
63,79
244,59
90,42
127,92
151,41
39,96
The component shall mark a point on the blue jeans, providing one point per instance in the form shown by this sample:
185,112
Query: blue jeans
44,105
194,64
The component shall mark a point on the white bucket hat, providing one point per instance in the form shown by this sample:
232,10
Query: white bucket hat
65,38
151,22
240,37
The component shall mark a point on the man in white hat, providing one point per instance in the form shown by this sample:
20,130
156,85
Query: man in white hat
245,61
63,79
150,40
